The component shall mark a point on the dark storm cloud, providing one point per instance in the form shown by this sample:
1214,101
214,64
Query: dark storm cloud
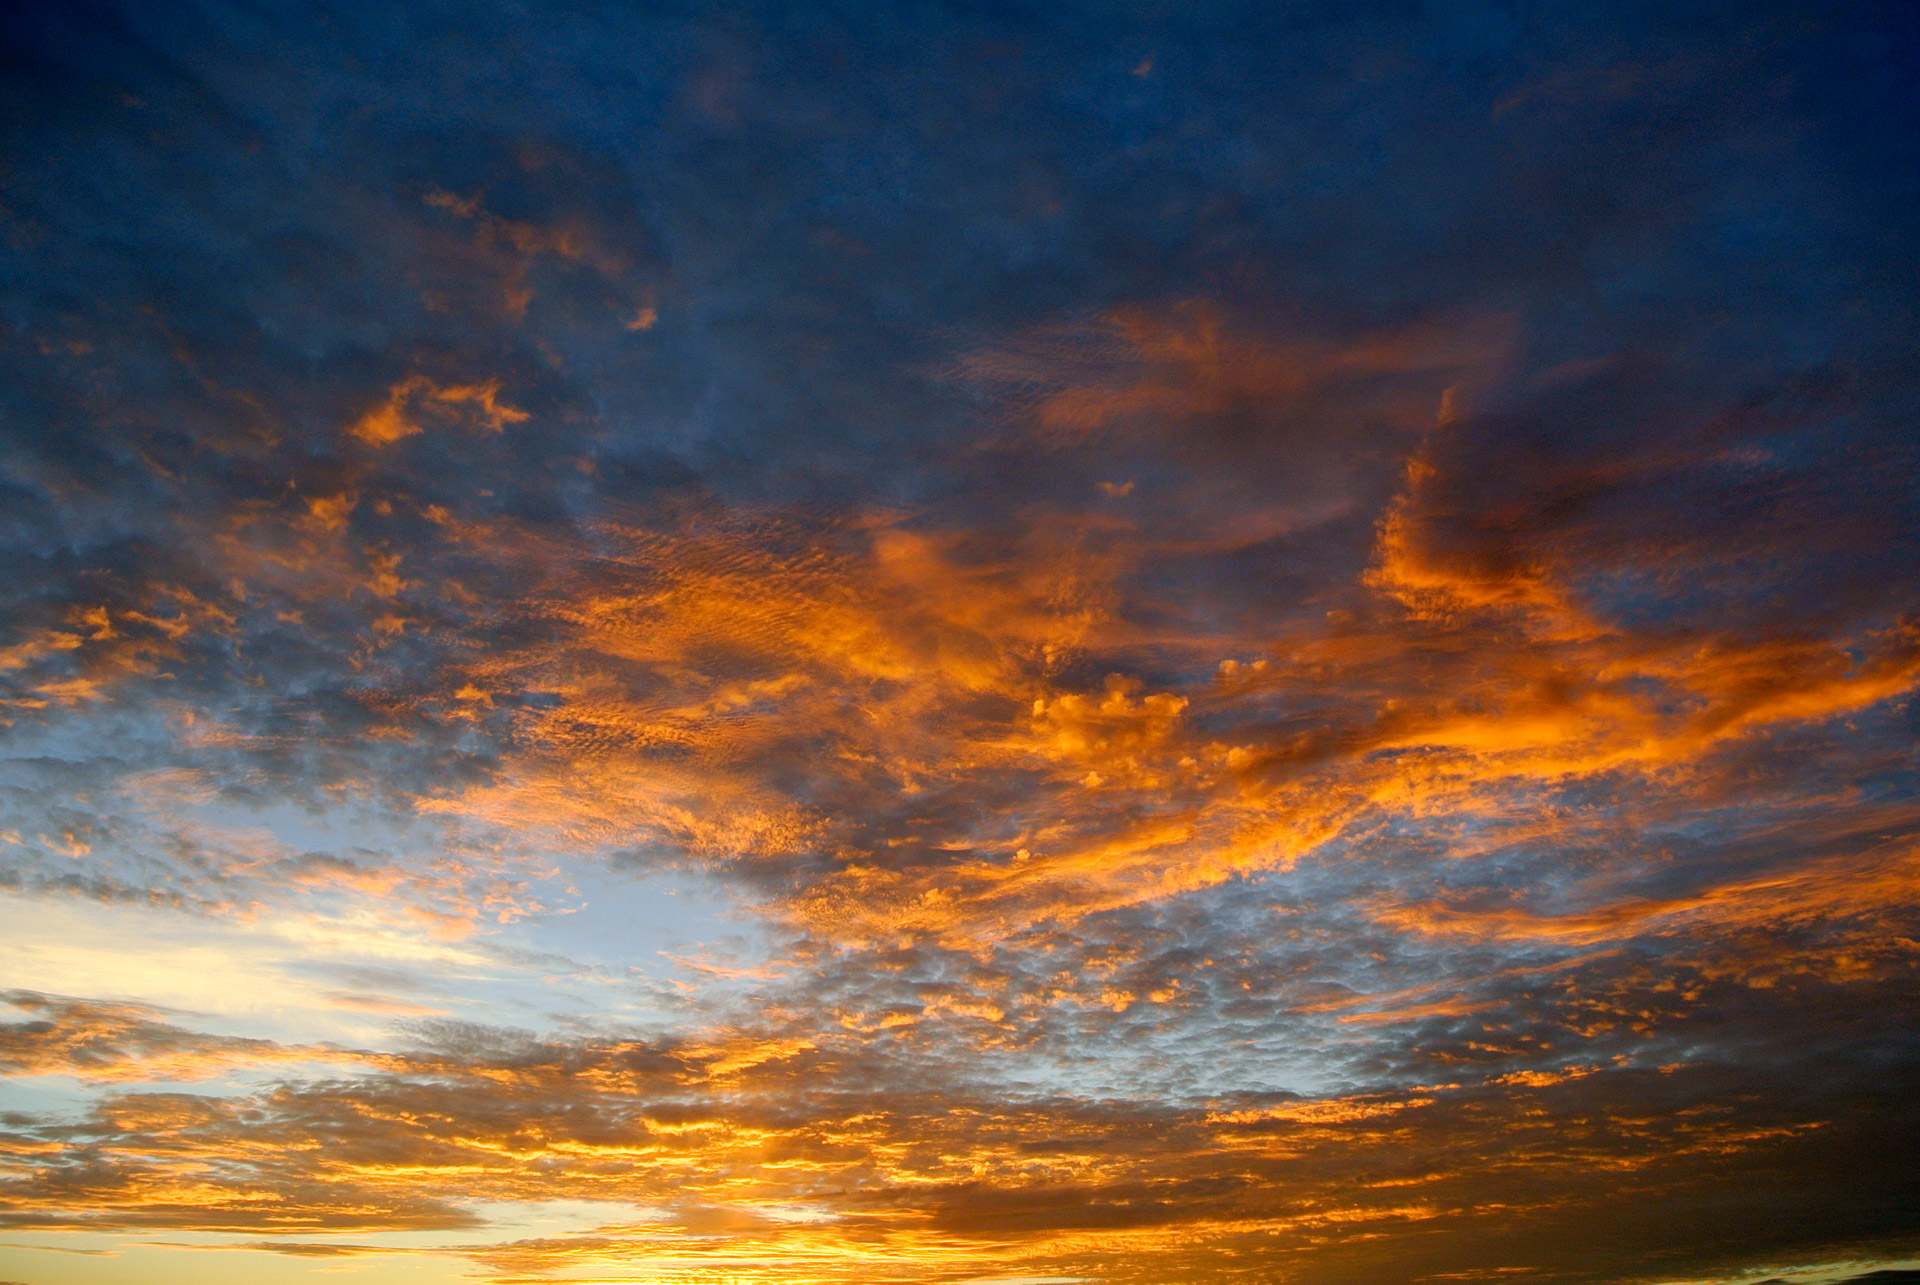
1166,554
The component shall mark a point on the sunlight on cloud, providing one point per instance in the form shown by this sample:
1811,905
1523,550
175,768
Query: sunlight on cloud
982,647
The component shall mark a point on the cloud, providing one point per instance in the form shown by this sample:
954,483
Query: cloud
844,1174
390,421
983,644
107,1042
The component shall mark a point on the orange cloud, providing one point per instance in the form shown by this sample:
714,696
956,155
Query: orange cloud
399,416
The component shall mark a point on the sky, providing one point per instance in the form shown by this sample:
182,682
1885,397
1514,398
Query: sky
1135,643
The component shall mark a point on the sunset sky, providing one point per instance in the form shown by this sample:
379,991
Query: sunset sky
794,643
